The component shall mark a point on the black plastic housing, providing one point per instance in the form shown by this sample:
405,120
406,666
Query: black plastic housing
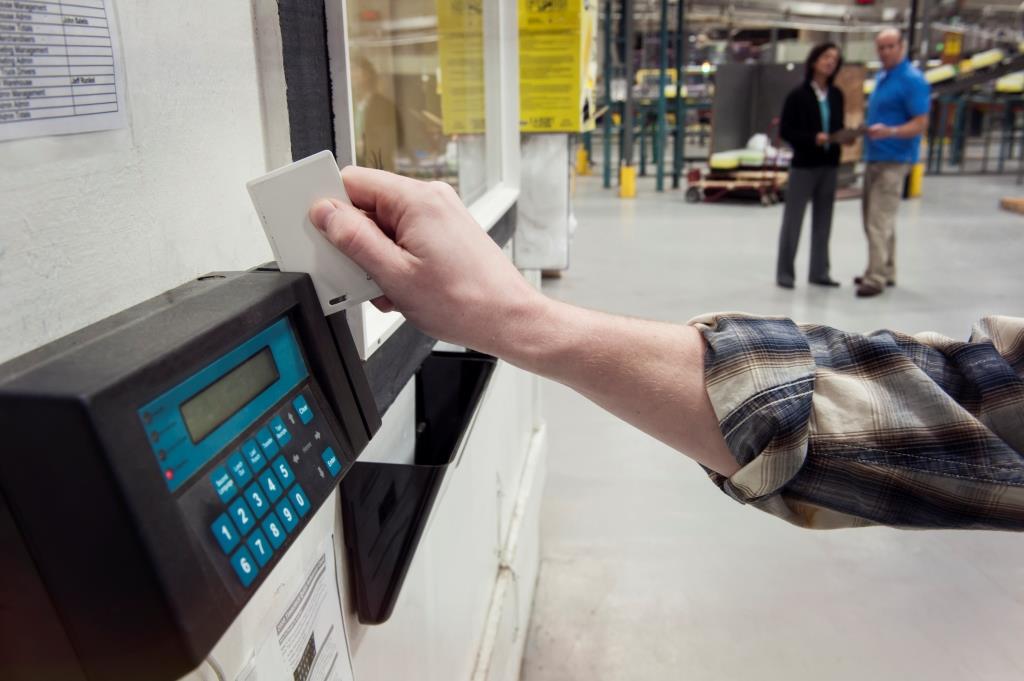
386,506
116,584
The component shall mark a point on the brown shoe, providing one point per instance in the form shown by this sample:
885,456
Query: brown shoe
866,290
860,280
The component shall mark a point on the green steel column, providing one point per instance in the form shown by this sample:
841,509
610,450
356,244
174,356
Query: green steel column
1007,131
643,149
628,110
607,121
943,118
956,151
678,159
1020,163
912,32
663,67
925,42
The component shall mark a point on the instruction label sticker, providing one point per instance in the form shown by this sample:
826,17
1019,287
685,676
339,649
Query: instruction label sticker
60,69
460,36
557,69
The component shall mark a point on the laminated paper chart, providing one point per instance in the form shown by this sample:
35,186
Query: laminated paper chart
59,68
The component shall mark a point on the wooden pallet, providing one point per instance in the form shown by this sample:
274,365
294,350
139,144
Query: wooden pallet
1013,204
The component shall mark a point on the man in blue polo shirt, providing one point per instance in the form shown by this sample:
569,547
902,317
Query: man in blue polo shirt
897,117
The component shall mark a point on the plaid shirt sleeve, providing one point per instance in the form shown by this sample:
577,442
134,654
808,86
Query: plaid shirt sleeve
835,429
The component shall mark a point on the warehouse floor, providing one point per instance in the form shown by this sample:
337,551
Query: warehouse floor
649,572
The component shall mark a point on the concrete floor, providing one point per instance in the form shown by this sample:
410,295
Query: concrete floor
649,572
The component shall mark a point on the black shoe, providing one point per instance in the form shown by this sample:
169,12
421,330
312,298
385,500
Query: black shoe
825,282
783,284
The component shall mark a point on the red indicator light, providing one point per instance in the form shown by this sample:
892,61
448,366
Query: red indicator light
169,474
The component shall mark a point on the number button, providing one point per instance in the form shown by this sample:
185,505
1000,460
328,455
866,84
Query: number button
267,442
253,455
302,408
284,473
288,515
244,565
270,485
299,500
280,431
242,516
274,530
260,548
239,471
224,532
223,484
257,501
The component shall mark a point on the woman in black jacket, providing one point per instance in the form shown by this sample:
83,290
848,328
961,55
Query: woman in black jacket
812,112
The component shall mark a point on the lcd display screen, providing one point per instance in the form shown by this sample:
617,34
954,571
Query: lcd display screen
220,400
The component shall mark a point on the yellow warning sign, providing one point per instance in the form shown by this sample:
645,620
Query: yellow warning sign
952,46
461,54
557,66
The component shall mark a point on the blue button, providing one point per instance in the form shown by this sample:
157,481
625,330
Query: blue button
288,515
242,516
303,410
270,485
257,501
260,547
239,471
284,473
223,483
253,455
299,500
267,442
225,533
244,566
280,432
275,530
333,465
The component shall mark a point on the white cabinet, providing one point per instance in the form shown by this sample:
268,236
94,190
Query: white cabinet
508,622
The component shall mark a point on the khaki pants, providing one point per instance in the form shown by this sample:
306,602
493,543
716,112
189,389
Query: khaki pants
883,188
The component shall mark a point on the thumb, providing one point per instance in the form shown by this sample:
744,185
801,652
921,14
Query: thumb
358,237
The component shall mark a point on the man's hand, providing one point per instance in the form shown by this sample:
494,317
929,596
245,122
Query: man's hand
432,260
880,131
912,128
821,139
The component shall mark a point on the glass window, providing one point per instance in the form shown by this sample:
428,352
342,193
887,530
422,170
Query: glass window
417,77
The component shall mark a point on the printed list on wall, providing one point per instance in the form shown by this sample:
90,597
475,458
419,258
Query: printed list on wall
60,70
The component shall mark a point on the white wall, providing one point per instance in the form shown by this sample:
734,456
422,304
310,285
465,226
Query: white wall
92,223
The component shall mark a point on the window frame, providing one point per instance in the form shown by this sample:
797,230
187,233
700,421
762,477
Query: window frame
370,327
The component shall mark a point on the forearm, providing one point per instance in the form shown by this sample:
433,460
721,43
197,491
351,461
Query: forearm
649,374
447,277
912,128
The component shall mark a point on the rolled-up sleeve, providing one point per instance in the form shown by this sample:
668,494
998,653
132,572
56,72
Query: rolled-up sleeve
837,429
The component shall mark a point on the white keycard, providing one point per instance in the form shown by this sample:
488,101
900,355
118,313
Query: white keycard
282,199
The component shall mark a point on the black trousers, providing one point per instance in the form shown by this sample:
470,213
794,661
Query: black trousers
817,185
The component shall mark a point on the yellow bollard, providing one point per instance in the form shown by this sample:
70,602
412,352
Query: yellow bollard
916,182
627,182
582,161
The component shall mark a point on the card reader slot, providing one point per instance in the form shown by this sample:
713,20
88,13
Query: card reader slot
386,506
